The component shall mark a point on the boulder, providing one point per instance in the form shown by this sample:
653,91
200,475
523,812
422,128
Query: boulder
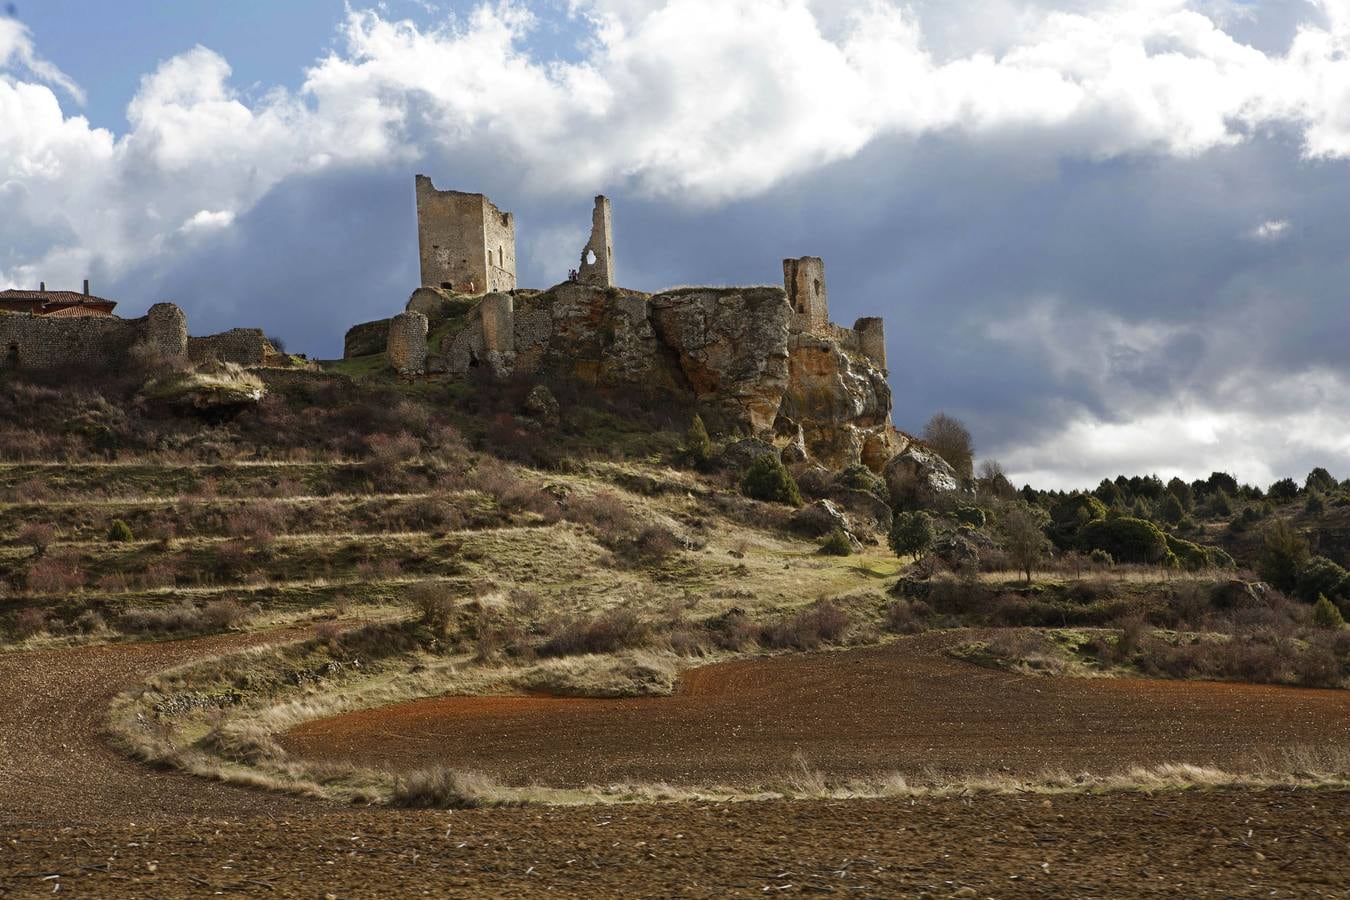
863,507
957,551
821,518
919,474
542,405
741,454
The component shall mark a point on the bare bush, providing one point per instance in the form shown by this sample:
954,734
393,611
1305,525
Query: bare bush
821,623
617,629
38,535
56,574
29,622
221,615
435,606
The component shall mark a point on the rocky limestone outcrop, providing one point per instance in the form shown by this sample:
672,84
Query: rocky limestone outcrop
732,347
919,474
842,402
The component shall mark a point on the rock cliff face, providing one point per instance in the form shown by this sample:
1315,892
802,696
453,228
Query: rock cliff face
840,400
733,354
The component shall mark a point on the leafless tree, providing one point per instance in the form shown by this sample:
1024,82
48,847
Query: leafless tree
951,440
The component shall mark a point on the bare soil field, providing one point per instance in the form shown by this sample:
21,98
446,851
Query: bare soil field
1212,844
902,707
75,815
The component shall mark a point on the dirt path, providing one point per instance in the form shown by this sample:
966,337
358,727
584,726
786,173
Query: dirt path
54,760
902,707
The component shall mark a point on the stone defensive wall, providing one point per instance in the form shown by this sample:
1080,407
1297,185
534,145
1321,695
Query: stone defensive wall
244,346
43,342
29,341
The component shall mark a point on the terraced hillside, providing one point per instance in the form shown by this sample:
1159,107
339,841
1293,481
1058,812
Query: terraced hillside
216,636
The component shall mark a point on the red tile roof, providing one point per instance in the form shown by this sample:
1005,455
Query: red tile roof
52,296
83,309
48,302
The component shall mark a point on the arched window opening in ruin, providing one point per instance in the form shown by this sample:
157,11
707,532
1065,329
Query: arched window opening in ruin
590,257
501,257
816,285
12,357
447,286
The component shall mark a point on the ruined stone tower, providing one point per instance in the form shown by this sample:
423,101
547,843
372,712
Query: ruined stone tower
804,281
466,243
597,257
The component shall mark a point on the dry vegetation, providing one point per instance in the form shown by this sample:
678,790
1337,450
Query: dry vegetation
486,554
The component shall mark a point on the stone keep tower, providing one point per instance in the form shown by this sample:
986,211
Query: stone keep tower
597,257
804,281
466,243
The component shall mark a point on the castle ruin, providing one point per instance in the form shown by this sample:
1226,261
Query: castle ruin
47,330
465,243
765,361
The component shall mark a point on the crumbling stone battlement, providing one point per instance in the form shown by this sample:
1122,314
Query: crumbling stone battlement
243,346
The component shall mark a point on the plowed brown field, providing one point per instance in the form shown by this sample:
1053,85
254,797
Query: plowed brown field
905,706
75,816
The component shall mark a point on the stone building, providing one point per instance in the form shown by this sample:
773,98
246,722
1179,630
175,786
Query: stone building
465,243
43,302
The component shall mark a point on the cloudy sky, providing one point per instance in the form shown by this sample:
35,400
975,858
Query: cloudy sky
1110,235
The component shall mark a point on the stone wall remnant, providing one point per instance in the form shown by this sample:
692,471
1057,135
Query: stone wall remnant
166,331
241,346
466,244
597,257
407,347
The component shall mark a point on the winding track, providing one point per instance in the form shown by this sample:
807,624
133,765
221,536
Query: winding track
76,815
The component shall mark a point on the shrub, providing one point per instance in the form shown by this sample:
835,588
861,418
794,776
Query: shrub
971,515
29,622
159,619
443,788
655,544
90,622
768,480
55,575
38,535
1128,540
905,617
1283,553
911,533
1315,505
1100,557
119,532
221,615
1326,615
1283,491
697,445
860,478
836,544
1189,556
1319,576
822,622
435,607
617,629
